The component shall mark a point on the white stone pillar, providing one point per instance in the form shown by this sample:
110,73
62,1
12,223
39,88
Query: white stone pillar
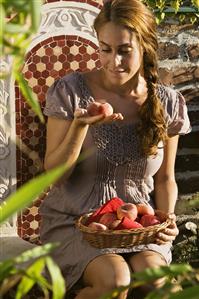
7,144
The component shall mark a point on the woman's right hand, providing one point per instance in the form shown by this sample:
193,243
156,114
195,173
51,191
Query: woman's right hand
82,117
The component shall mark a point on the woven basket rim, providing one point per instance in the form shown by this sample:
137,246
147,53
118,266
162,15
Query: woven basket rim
86,229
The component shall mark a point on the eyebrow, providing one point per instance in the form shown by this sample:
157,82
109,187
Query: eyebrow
122,45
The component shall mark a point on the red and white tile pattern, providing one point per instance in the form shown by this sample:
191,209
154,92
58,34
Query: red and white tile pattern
49,60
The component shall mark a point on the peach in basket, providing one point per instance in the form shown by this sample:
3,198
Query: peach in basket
104,229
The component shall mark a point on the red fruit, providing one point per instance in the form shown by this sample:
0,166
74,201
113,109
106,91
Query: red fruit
93,218
109,207
96,108
97,226
93,109
108,218
147,220
126,223
128,210
145,209
114,224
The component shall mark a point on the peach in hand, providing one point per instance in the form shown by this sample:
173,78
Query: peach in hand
96,108
145,209
97,226
128,210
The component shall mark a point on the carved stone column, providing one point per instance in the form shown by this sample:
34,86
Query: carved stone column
7,144
60,19
67,18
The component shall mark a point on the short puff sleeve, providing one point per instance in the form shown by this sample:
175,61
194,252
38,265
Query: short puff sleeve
60,100
177,118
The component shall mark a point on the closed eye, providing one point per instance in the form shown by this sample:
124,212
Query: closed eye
120,52
123,52
106,50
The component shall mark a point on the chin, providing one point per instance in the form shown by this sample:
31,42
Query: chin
117,78
118,81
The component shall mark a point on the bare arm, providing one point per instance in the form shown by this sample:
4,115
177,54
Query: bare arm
166,190
165,185
64,142
65,138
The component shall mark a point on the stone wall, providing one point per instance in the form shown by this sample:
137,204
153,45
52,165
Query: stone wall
179,66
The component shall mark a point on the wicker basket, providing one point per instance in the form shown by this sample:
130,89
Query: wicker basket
119,238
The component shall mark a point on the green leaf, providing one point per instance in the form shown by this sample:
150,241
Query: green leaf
35,8
193,19
196,3
2,24
58,283
154,273
114,293
34,253
5,269
28,94
183,9
29,191
14,28
27,282
188,293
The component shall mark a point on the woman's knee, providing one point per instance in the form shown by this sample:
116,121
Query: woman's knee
148,259
108,272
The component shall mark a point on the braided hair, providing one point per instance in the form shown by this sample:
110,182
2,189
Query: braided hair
138,19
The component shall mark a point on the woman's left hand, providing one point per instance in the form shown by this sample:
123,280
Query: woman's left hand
168,234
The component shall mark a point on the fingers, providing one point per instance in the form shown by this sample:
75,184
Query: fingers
82,116
80,112
167,235
113,117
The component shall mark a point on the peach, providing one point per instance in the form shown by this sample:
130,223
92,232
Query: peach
96,108
92,218
97,226
115,224
128,210
147,220
127,223
108,218
145,209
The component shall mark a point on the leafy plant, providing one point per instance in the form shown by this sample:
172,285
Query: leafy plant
185,285
13,272
29,191
165,9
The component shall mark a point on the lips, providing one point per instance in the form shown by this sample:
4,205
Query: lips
117,71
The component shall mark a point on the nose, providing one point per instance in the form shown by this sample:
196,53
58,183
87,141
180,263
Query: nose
116,60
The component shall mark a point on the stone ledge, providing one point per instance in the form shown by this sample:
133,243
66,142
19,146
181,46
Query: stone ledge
12,246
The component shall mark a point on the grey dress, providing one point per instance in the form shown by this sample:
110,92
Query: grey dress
115,168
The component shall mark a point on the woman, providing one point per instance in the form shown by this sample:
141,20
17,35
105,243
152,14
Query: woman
133,150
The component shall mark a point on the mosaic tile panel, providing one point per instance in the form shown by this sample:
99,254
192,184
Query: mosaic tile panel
48,61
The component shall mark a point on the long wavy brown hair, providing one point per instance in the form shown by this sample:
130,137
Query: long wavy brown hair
136,17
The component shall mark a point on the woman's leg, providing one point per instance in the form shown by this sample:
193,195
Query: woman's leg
147,259
103,274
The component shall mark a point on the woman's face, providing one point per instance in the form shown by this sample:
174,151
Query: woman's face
120,53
